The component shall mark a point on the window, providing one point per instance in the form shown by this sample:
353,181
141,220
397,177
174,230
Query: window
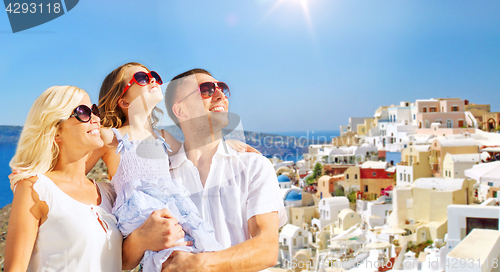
427,124
374,174
347,176
355,176
404,177
323,184
401,176
284,241
366,188
388,175
424,109
294,242
432,109
300,233
454,108
297,217
414,117
490,184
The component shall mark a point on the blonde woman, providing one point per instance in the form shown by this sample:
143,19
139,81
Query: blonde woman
60,220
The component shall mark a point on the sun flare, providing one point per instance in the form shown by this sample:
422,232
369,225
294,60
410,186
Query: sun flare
303,4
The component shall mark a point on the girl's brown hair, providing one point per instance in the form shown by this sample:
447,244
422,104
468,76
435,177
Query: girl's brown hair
111,89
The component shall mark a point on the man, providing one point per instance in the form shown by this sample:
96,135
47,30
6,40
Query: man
237,193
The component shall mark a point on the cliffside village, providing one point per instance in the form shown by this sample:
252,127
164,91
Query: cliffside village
413,188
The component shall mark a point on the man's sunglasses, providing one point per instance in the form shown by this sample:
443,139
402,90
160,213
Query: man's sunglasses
142,79
207,90
83,113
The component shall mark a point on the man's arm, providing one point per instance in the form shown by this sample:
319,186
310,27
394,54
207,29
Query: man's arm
255,254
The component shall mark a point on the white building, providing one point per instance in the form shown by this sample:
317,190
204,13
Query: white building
353,124
462,219
454,166
292,239
329,209
351,155
405,113
373,213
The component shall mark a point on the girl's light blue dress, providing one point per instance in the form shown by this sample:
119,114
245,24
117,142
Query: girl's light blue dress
143,184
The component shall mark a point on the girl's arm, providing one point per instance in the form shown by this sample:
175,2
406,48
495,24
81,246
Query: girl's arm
107,152
174,144
26,216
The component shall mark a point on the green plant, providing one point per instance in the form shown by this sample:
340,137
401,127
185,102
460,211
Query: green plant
317,171
309,180
351,195
339,192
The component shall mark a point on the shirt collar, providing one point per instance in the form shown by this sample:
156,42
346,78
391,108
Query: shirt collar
223,149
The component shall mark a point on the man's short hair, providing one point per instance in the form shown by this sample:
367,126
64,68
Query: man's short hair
171,93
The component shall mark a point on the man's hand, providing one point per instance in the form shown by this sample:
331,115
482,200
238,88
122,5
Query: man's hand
241,146
183,262
160,231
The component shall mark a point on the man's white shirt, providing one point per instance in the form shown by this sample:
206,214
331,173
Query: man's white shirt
238,186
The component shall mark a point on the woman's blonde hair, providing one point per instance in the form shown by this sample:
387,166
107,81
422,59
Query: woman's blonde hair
111,90
37,150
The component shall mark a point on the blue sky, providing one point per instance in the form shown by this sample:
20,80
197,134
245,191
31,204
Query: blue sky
291,64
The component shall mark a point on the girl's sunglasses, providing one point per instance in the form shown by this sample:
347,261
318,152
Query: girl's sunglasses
207,90
84,113
142,79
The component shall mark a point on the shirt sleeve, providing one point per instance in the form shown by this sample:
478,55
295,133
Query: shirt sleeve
263,193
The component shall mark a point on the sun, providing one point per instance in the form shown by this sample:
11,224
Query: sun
305,9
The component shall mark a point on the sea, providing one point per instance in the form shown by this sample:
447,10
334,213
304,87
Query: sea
7,152
316,136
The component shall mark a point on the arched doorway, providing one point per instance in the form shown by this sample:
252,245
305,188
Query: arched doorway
491,124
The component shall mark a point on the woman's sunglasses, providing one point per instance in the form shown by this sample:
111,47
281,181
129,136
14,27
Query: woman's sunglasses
84,113
142,79
207,90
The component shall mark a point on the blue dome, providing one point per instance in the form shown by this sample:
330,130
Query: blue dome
283,178
293,196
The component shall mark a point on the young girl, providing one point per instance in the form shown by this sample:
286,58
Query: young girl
137,159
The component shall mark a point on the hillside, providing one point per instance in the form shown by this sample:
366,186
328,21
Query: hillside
267,144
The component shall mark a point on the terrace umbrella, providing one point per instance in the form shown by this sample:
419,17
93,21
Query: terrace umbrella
485,172
378,245
394,231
